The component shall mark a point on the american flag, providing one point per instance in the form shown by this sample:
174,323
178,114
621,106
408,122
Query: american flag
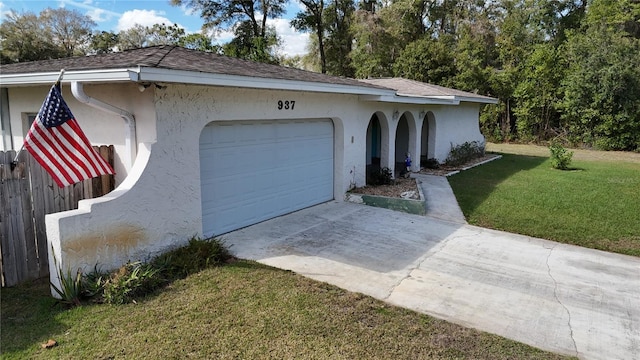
56,141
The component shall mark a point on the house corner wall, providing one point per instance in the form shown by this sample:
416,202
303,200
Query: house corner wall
456,125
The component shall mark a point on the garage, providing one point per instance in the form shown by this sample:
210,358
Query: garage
251,171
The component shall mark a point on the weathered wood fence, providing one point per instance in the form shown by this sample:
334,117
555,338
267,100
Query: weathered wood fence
27,194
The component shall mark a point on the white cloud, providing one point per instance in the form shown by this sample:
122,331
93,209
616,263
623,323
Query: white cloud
293,43
99,15
141,17
220,36
3,11
95,13
189,11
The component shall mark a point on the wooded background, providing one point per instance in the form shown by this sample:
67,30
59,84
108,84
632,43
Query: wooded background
566,70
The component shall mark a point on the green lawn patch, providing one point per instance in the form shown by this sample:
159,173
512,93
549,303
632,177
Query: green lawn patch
596,204
240,310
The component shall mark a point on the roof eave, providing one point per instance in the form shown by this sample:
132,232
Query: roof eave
108,75
149,74
481,100
457,99
405,99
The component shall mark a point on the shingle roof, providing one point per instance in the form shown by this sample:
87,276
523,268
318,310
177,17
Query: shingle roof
417,88
178,58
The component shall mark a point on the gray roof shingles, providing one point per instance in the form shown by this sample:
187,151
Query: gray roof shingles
417,88
178,58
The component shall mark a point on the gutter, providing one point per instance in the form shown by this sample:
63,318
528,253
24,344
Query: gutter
129,120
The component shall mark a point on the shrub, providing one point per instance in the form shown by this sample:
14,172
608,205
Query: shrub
197,255
382,176
560,158
130,281
431,163
136,279
70,289
465,152
94,282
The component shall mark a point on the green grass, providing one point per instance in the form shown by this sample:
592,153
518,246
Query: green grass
596,204
240,310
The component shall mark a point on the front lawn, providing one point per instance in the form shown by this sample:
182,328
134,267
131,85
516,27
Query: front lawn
596,205
241,310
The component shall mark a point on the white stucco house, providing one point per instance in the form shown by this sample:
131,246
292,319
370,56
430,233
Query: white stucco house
206,144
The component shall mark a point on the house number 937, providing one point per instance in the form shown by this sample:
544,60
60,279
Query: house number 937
286,104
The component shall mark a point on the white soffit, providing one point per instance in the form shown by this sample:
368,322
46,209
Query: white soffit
407,99
110,75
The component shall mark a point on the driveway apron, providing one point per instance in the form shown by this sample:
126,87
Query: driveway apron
557,297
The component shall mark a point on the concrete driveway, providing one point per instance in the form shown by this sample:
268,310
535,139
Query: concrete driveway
557,297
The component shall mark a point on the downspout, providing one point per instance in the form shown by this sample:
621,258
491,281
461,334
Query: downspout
129,120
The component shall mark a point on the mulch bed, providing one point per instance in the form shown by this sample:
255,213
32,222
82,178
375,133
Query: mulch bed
402,185
443,170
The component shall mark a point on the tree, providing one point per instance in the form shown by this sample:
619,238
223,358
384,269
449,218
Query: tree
104,42
475,56
537,95
246,46
602,88
375,50
135,37
338,17
428,60
70,29
162,34
200,42
23,37
248,20
312,19
615,15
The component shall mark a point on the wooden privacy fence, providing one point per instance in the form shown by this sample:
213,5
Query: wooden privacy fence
27,194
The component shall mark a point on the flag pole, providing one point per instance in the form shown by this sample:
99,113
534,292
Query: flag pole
14,163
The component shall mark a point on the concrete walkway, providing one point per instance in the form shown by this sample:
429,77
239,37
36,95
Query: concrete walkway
441,202
557,297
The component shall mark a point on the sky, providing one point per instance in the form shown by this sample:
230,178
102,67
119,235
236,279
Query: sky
117,15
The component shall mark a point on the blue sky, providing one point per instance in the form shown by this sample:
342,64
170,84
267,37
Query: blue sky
116,15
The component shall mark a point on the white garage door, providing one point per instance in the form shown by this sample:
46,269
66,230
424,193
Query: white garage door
252,171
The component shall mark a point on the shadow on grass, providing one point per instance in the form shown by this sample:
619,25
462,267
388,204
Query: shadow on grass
28,317
473,187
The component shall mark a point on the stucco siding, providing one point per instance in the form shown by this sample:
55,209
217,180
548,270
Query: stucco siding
158,206
100,127
455,125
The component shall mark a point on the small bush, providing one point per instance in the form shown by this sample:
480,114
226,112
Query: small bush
560,158
94,282
136,279
461,154
70,289
431,163
197,255
382,176
130,281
